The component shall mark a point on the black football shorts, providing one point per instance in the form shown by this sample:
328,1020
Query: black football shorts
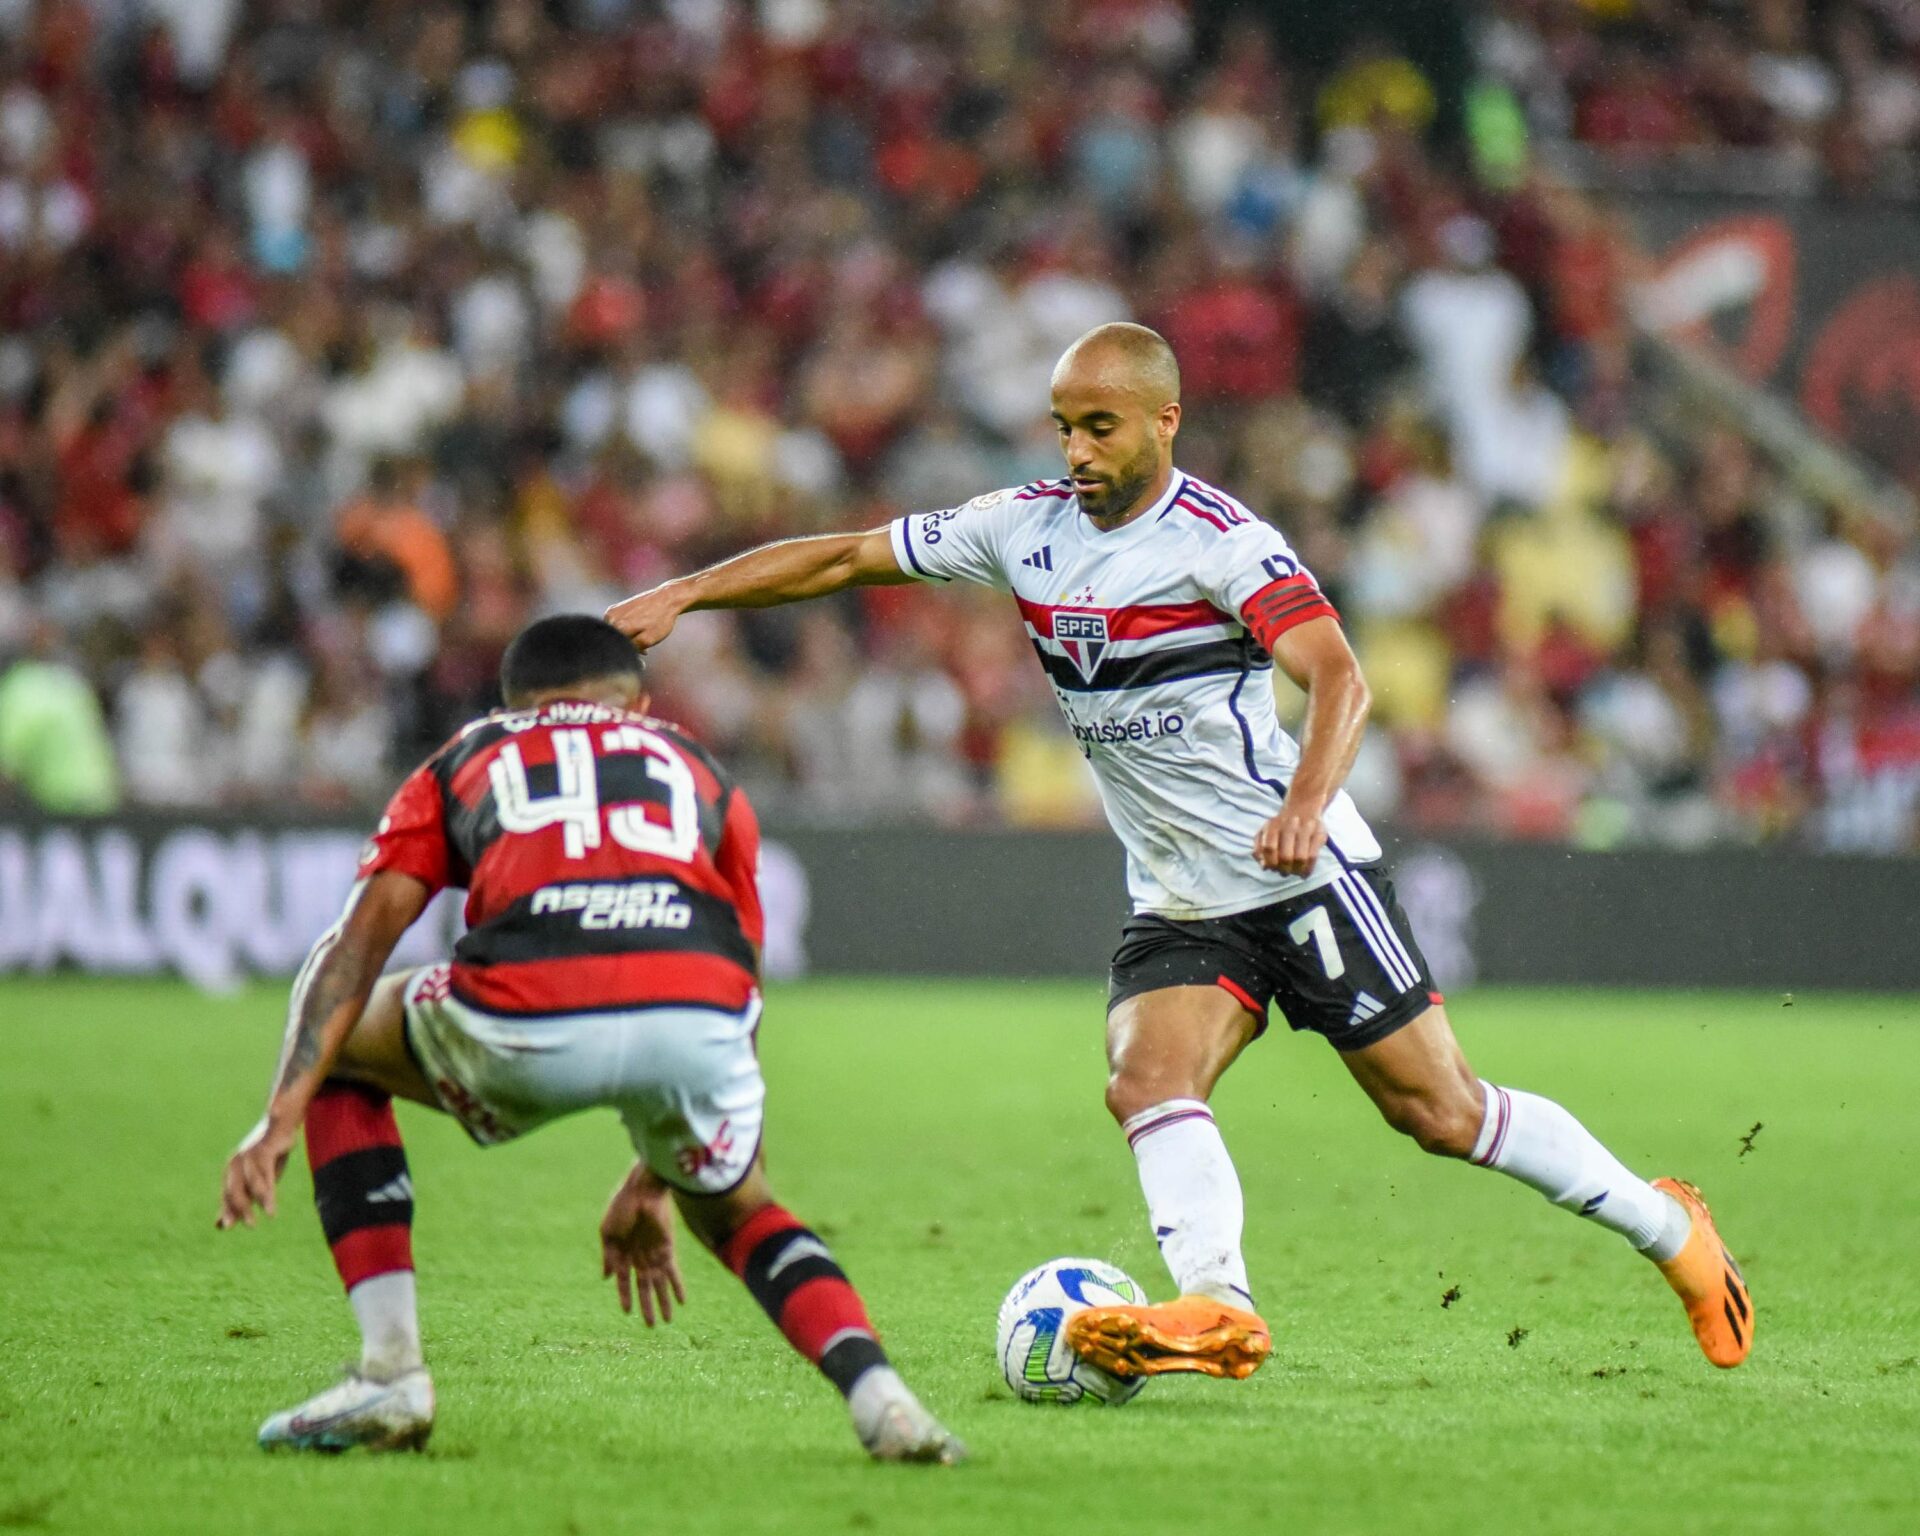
1340,960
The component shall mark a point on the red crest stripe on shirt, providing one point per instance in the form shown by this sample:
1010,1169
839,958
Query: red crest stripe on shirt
1141,621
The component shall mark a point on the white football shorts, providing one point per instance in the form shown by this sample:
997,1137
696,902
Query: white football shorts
686,1081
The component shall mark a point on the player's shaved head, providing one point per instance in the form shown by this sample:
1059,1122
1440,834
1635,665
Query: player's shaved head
1126,357
570,655
1116,403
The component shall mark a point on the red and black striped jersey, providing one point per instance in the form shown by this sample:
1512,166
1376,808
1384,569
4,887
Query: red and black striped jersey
609,862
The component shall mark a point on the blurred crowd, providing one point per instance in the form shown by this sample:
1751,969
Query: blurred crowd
1830,88
338,340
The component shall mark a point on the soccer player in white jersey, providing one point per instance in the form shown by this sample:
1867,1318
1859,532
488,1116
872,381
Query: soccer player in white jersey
1158,606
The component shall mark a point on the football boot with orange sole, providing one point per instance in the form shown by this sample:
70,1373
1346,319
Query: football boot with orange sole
1195,1333
1705,1277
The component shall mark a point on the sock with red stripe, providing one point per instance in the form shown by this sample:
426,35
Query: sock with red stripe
1193,1198
1537,1142
365,1198
808,1296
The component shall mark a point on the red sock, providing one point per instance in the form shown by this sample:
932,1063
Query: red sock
360,1180
808,1296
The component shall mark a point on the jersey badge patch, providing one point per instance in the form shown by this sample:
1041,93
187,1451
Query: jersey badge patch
1083,636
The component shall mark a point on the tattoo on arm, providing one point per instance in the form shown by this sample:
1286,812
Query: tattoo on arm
335,982
331,988
333,978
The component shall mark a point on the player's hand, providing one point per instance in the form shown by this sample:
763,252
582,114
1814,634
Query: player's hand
636,1246
1291,842
648,618
253,1172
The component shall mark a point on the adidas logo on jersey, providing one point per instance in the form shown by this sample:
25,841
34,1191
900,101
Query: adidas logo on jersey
1365,1006
1041,559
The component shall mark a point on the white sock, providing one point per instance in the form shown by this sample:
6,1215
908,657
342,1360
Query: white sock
1193,1198
1537,1142
876,1389
389,1324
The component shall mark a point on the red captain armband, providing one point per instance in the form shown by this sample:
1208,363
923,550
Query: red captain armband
1280,605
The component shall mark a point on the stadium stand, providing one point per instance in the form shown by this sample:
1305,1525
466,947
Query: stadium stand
341,339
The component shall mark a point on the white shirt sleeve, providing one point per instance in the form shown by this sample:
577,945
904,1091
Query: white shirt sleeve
1248,558
966,543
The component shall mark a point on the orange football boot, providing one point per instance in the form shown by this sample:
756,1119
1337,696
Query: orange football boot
1195,1333
1705,1277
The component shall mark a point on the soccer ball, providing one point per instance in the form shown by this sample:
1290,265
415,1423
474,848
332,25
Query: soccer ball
1034,1356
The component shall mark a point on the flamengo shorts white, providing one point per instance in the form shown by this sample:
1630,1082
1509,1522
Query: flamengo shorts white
686,1081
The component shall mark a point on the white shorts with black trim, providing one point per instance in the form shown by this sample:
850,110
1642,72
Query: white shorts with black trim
685,1081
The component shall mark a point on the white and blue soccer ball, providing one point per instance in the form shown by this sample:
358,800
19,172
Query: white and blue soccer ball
1034,1356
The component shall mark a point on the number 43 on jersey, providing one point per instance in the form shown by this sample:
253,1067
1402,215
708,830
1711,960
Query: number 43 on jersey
575,805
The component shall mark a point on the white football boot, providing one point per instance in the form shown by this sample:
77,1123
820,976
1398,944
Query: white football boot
892,1424
392,1415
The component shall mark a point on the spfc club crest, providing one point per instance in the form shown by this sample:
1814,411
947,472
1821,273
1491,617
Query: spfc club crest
1083,636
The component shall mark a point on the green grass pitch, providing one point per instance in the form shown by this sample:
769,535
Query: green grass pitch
945,1137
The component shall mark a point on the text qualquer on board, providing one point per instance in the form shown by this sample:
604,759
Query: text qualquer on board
218,904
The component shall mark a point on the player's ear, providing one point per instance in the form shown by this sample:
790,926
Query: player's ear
1169,422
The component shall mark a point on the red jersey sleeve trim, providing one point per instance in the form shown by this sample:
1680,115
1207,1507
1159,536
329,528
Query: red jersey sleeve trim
412,838
1283,605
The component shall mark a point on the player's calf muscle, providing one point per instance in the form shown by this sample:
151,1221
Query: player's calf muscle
1422,1085
1441,1124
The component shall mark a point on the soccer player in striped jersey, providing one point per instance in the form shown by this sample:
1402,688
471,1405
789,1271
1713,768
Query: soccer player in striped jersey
1158,606
611,958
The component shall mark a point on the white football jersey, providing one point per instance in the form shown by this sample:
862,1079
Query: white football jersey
1151,634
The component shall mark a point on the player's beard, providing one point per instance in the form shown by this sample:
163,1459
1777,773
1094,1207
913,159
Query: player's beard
1124,488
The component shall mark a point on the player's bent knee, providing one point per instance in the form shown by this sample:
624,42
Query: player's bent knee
1132,1093
715,1218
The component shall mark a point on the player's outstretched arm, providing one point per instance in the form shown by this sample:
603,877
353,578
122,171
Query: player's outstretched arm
1317,657
329,995
786,572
